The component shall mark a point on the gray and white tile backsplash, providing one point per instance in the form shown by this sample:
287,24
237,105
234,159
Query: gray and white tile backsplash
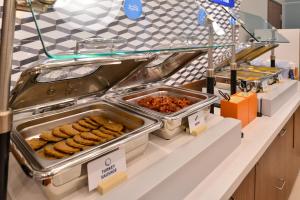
72,20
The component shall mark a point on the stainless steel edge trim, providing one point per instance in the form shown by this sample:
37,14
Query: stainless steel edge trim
210,73
5,121
53,64
233,66
21,160
6,52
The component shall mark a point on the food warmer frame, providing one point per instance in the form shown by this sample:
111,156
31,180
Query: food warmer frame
250,77
150,81
65,97
63,100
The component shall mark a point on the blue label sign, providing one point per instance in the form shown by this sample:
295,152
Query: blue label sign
232,21
227,3
202,17
133,9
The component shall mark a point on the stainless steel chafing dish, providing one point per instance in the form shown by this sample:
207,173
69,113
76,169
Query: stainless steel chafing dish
251,80
144,83
173,123
261,69
251,76
54,93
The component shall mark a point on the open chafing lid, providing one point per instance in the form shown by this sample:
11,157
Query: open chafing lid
51,82
161,67
247,53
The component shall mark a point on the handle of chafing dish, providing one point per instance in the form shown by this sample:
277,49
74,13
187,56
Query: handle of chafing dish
98,43
22,162
63,104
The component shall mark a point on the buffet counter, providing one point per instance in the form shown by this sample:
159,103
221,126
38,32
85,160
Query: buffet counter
258,136
219,184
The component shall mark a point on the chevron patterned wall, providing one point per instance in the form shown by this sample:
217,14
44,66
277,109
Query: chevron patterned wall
162,21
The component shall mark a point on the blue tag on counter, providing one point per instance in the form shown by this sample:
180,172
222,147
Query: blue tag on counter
202,17
227,3
133,9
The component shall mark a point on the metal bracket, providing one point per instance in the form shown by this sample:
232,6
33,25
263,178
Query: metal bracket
5,121
54,107
210,73
273,57
233,66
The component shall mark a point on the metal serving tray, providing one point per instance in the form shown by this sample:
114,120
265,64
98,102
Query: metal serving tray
39,168
172,122
243,75
261,69
67,91
252,76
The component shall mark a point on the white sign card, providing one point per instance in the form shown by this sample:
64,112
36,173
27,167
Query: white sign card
105,167
196,121
265,84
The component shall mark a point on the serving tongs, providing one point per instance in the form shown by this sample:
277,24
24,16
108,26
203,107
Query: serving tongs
245,86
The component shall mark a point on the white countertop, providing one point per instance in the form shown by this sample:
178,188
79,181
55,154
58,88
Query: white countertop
258,136
220,184
21,187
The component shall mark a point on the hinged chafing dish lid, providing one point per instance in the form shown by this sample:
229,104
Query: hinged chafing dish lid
54,81
247,54
161,67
